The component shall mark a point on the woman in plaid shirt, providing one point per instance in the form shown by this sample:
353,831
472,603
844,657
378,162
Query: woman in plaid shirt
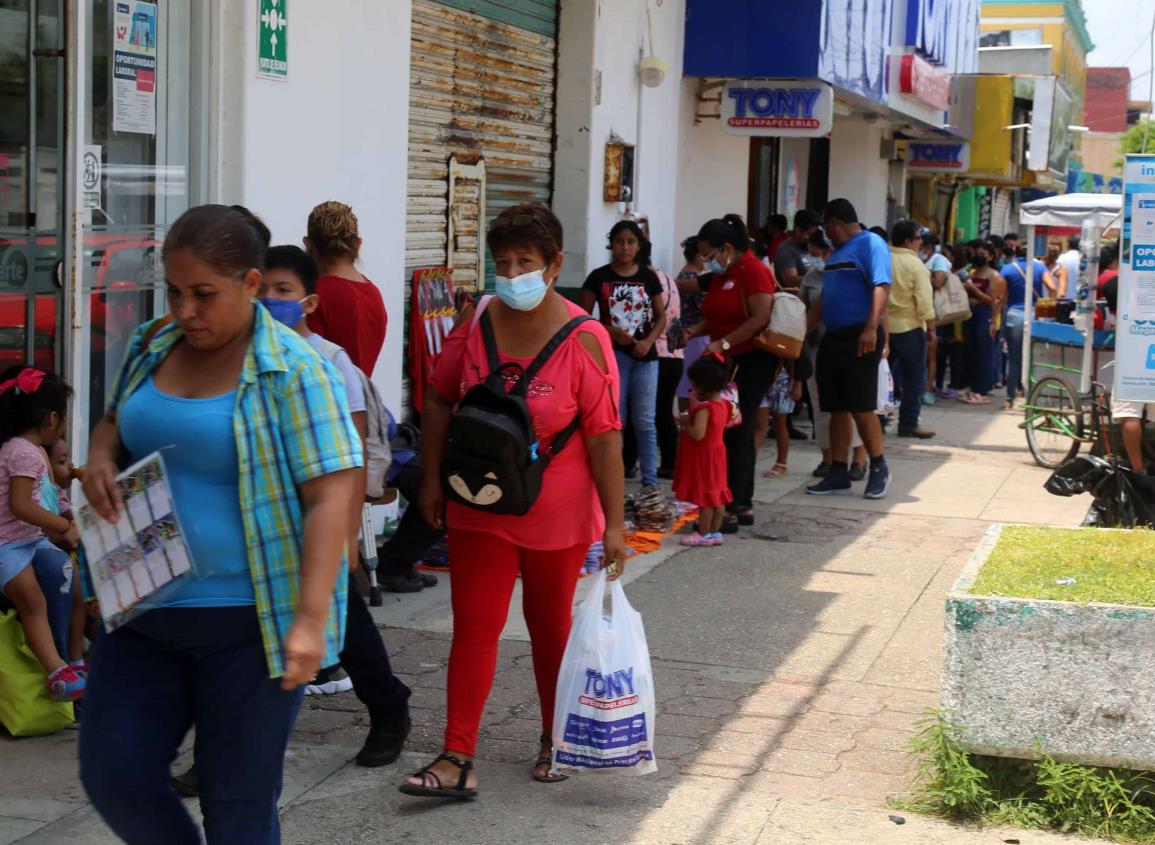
262,459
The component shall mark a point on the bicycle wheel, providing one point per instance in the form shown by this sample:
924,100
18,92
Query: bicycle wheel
1054,422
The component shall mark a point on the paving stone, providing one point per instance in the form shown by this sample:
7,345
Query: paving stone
845,705
794,762
687,726
754,724
689,706
675,747
877,788
895,720
322,721
913,701
732,766
826,742
885,739
877,760
771,705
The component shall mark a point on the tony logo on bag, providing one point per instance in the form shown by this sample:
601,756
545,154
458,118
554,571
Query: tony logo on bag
604,718
609,692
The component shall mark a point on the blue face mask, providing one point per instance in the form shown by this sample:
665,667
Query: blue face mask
712,266
524,292
287,311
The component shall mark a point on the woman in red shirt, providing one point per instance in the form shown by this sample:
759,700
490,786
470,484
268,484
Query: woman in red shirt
737,307
351,312
581,498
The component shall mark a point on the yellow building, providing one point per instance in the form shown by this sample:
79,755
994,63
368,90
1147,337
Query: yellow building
1060,23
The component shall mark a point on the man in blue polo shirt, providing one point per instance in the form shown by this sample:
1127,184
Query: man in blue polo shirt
855,291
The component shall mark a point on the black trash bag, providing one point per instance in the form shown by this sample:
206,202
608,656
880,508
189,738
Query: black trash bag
1079,475
1123,498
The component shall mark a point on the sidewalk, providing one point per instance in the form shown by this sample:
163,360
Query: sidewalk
790,663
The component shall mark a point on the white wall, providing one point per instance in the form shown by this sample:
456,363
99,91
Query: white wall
607,36
857,171
713,168
337,129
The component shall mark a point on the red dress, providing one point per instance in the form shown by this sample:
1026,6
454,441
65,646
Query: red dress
700,473
351,315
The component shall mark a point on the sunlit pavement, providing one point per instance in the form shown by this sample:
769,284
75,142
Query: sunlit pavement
791,665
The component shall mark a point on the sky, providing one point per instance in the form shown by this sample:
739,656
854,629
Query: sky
1121,31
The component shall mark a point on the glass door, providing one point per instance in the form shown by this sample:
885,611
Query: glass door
136,132
32,182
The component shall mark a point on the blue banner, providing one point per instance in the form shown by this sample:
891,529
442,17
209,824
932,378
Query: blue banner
1135,341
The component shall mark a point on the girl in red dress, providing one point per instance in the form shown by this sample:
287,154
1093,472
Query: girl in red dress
700,473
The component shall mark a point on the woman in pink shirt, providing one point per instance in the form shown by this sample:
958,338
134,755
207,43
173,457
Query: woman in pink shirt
581,499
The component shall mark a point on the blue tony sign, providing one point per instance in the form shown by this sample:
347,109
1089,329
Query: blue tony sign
938,156
778,107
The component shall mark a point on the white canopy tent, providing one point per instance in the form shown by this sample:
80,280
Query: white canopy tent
1093,213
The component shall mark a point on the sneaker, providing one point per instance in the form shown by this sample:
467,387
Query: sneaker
857,471
66,684
402,583
714,539
696,540
928,398
383,745
329,681
822,470
81,666
831,486
919,433
879,482
427,578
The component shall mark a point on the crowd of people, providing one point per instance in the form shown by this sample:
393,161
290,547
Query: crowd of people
256,386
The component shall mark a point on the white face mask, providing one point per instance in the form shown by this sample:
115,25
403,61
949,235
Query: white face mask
524,292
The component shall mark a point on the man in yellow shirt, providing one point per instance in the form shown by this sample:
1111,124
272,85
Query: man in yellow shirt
911,314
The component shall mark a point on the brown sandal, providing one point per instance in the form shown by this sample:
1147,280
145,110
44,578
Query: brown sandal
545,760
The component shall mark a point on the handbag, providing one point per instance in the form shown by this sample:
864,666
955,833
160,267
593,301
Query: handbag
764,340
25,708
675,332
951,303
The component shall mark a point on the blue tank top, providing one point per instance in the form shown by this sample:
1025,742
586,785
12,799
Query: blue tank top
200,451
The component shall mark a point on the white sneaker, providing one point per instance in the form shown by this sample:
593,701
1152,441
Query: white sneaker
329,681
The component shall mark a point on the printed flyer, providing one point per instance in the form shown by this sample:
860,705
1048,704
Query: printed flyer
144,551
1135,328
134,67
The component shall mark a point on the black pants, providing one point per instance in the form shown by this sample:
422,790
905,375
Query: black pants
950,354
367,663
669,374
754,376
414,535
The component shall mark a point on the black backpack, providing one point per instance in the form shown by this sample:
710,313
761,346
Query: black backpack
491,461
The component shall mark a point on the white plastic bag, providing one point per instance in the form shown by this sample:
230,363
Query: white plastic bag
885,389
604,717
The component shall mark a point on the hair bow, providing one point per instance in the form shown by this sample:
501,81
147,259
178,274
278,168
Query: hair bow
27,380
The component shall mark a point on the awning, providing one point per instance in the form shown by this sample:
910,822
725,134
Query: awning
1072,209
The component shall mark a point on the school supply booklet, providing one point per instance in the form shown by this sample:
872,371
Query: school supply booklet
143,552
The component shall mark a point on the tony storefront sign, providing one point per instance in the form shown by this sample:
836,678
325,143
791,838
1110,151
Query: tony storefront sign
786,108
938,156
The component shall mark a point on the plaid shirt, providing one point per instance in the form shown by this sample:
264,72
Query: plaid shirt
292,424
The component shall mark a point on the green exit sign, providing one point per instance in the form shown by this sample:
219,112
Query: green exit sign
273,39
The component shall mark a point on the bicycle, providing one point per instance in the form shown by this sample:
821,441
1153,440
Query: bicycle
1058,424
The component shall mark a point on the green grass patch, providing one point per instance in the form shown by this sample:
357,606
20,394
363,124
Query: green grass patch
1116,567
1113,804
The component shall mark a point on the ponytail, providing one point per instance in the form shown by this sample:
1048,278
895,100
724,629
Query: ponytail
729,229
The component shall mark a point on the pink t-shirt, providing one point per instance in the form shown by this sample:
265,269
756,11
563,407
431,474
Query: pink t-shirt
568,511
19,458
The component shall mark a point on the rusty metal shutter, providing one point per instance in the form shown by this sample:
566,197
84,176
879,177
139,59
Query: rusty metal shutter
482,83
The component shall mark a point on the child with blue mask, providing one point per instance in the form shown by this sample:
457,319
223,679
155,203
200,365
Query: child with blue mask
289,292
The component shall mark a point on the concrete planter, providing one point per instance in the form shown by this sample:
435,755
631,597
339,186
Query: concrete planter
1076,681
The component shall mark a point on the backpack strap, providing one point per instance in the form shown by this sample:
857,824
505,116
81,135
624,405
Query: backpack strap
491,353
551,347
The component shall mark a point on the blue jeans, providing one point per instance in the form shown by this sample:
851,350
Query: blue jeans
153,679
908,363
54,572
639,400
1013,332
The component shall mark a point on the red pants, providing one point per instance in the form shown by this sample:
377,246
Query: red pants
484,569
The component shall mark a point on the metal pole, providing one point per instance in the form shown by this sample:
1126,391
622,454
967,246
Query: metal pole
30,191
1085,304
1029,315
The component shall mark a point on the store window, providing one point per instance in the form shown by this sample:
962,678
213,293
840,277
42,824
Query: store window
136,134
31,181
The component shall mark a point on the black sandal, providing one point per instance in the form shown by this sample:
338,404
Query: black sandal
545,758
458,792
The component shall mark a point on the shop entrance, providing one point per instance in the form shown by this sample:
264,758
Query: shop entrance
32,182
